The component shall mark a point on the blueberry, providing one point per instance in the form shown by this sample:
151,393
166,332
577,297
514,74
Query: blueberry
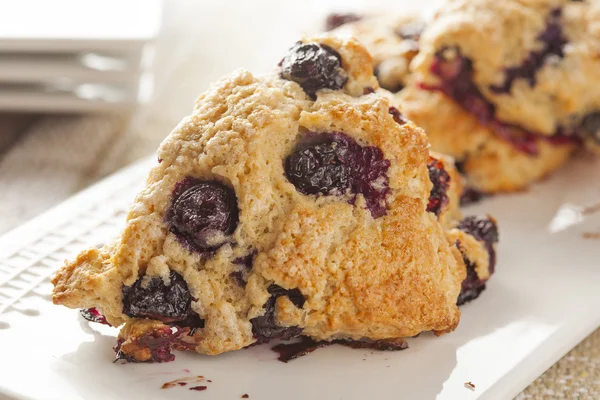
335,164
457,83
472,286
156,300
203,214
319,169
314,66
438,197
553,43
245,264
338,19
398,117
93,315
482,228
265,327
485,230
246,261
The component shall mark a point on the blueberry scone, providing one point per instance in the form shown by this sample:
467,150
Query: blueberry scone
392,41
508,88
527,76
288,204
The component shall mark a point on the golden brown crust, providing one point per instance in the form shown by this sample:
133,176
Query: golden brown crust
498,35
382,278
490,164
392,53
473,250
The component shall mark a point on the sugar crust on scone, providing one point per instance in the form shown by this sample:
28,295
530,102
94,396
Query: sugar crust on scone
536,62
392,41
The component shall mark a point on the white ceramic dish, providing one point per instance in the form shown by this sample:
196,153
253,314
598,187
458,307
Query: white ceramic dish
72,56
541,302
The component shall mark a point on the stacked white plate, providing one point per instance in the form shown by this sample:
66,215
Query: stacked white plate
76,56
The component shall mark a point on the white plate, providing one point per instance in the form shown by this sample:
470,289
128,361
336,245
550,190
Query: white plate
541,302
72,67
73,25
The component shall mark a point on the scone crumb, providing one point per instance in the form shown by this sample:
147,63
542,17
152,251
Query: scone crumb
183,381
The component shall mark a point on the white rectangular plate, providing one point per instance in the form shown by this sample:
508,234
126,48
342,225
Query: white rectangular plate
540,303
70,67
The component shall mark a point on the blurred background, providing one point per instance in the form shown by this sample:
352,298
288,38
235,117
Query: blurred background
89,87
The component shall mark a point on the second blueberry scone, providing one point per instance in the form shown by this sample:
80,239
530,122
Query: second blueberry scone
297,203
512,86
526,69
509,88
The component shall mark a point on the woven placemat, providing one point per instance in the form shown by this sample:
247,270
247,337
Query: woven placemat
575,376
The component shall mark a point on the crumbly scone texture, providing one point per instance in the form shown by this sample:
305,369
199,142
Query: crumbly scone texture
393,41
473,250
389,277
490,164
499,35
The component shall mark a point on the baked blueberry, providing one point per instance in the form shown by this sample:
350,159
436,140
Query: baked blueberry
154,299
314,66
400,120
483,229
472,286
203,214
335,164
438,197
553,42
244,264
265,327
